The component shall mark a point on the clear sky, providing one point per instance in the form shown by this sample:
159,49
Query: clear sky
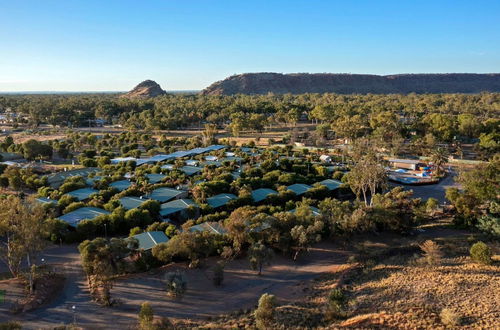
87,45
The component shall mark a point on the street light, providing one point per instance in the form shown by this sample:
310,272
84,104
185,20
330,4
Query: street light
73,308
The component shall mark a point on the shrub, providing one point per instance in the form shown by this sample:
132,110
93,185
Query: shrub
264,314
10,326
335,304
480,252
176,283
432,253
449,317
146,316
490,225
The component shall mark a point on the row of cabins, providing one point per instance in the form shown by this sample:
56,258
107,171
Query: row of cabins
174,202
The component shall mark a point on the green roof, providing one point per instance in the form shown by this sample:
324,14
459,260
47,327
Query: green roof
165,194
259,195
83,213
121,185
131,202
213,227
220,200
176,206
45,200
56,179
299,188
331,184
190,170
82,194
155,178
150,239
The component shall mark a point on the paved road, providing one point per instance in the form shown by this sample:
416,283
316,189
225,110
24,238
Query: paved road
436,191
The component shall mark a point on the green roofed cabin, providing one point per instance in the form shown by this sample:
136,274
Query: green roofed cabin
165,194
150,239
131,202
46,200
190,170
82,194
331,184
220,200
155,178
121,185
178,208
259,195
57,179
299,188
211,227
84,213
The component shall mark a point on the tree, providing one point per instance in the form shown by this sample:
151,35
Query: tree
366,177
176,283
439,157
22,223
208,134
33,149
146,317
264,314
101,260
259,255
304,236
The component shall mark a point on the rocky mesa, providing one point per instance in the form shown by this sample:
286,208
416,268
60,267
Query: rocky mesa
147,88
298,83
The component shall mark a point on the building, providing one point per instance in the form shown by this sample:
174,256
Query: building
83,193
150,239
331,184
407,164
299,188
155,178
261,194
131,202
165,194
84,213
121,185
179,209
325,159
211,227
220,200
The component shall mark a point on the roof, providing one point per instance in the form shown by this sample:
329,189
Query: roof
56,179
121,185
45,200
131,202
84,213
405,161
220,200
299,188
155,178
150,239
216,163
259,195
91,181
83,193
190,170
165,194
213,227
122,159
192,162
314,210
331,184
176,206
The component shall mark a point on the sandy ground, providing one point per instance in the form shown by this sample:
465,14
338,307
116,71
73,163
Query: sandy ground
241,289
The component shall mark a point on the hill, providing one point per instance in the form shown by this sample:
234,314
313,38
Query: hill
147,88
298,83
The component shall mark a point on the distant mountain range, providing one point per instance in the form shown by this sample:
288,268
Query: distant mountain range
298,83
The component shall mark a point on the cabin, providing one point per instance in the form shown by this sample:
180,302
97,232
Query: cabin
407,164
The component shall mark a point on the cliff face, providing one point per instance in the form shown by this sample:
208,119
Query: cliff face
147,88
298,83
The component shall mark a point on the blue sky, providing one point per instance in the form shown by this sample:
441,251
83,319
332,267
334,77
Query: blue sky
71,45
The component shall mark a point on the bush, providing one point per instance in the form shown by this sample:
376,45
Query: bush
449,317
480,252
489,225
264,314
10,326
335,304
432,253
176,283
146,317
